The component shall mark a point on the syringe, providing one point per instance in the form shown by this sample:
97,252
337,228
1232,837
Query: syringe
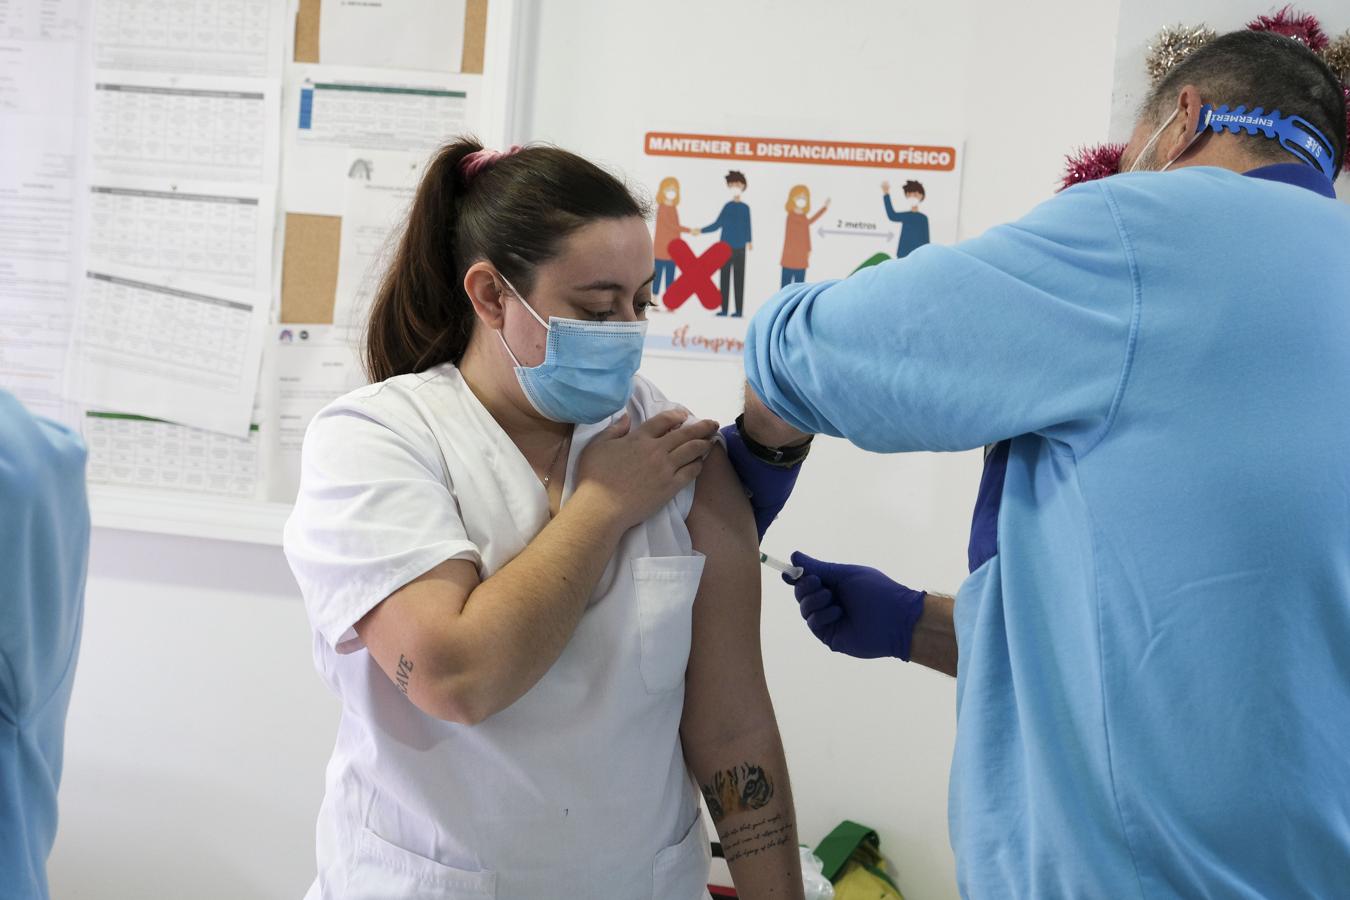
791,571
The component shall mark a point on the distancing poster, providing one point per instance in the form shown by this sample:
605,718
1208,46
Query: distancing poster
738,217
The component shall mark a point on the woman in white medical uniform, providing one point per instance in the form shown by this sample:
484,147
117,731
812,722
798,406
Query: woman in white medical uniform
533,583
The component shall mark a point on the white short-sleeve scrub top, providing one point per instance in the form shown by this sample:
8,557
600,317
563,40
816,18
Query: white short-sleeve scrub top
578,789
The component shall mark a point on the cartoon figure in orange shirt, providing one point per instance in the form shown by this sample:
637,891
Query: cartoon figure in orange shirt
797,234
668,228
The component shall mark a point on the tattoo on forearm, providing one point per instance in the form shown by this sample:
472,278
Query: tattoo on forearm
753,838
405,668
739,789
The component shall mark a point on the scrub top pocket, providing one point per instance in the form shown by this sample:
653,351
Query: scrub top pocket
666,587
387,870
681,872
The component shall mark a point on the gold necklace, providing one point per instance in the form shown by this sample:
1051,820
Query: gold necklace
548,475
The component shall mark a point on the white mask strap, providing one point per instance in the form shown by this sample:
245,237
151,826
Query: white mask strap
1195,137
523,301
502,338
1153,140
1205,111
521,298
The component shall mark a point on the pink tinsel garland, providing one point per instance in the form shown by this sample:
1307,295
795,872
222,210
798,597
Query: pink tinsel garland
1302,27
1091,163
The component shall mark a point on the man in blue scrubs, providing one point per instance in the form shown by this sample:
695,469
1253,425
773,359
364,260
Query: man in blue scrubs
1153,686
44,544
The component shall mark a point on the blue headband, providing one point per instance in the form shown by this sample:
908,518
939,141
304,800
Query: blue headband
1294,133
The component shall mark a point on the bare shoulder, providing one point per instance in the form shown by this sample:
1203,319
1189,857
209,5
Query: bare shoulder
726,614
720,520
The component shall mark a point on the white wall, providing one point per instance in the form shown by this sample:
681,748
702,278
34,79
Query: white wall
198,731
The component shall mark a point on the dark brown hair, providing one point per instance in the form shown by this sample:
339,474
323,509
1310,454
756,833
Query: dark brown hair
514,213
1260,68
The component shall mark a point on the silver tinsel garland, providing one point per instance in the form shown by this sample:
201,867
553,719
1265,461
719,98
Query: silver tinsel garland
1173,44
1337,56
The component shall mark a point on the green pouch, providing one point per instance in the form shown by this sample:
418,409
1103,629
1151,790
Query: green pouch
853,862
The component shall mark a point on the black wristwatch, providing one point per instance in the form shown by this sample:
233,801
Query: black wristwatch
783,457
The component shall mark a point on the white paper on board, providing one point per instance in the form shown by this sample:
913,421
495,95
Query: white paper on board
206,37
394,34
377,193
330,111
136,451
170,125
59,21
180,350
215,232
43,52
309,366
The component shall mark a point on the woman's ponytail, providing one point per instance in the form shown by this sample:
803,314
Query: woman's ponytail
421,316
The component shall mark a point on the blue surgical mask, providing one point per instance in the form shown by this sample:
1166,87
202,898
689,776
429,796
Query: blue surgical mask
588,368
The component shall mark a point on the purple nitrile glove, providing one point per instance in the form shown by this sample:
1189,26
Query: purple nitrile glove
855,609
767,486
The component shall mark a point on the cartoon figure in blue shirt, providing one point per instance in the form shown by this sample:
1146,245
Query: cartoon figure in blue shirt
913,224
734,222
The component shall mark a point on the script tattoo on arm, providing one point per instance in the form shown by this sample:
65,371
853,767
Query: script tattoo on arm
405,668
743,788
754,838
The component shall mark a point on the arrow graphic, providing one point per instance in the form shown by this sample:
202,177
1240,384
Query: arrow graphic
851,233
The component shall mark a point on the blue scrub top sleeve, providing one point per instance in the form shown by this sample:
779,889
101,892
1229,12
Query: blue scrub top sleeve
44,548
1024,329
9,690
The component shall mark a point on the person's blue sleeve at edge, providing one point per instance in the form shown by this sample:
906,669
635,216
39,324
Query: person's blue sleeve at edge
1024,329
44,544
44,541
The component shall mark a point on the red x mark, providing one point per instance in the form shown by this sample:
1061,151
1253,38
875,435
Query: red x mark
696,274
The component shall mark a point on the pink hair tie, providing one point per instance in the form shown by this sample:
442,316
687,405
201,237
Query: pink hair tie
479,160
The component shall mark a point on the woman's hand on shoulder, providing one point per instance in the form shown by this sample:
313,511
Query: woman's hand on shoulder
626,474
